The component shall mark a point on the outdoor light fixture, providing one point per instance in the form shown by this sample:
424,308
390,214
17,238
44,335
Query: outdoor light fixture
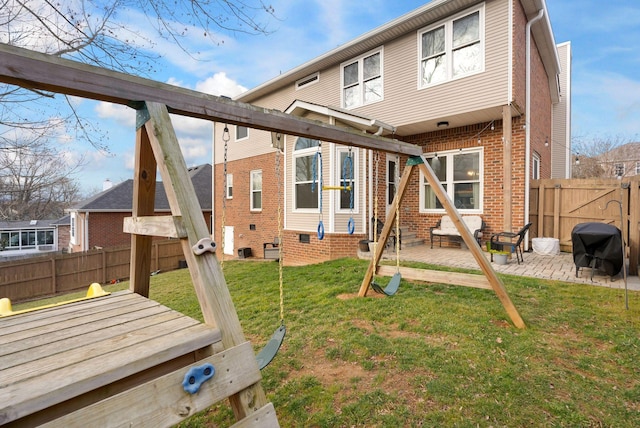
443,124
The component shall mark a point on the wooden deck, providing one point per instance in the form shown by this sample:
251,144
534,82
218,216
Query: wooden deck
71,356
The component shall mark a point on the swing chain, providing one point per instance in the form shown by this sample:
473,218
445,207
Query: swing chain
225,137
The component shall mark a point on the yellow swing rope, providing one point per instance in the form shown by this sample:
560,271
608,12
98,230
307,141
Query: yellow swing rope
280,231
397,215
375,208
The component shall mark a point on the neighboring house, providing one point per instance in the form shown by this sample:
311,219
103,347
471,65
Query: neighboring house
30,237
482,87
622,161
98,221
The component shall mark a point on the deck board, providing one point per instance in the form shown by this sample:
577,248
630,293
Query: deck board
89,351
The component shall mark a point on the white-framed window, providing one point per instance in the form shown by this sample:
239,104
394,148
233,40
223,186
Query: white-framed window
391,178
73,228
256,190
535,168
637,167
452,49
347,171
229,189
461,173
619,169
362,80
306,193
242,132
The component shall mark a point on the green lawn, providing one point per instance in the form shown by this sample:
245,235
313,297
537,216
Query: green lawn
432,355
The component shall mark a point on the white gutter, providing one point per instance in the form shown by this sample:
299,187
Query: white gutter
527,154
85,244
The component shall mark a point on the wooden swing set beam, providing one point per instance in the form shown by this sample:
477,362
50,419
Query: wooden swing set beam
43,72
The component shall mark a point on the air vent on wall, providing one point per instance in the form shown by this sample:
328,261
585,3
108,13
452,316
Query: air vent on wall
306,81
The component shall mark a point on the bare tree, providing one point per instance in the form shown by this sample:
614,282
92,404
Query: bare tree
610,157
36,180
97,32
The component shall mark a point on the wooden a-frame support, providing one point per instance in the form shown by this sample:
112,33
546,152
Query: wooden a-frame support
157,148
490,274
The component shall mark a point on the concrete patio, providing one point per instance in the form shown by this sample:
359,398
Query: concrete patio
559,267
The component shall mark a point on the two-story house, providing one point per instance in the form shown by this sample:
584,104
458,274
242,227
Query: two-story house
482,87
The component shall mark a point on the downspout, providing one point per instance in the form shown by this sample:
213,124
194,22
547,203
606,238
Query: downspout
85,244
527,155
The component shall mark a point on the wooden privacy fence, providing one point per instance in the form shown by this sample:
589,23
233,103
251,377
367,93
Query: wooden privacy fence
557,205
38,277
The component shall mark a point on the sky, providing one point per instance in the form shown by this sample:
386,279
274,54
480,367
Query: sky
605,77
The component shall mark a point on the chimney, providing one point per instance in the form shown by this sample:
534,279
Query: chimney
106,185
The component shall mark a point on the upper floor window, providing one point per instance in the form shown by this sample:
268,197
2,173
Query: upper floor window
637,167
362,80
451,49
461,175
242,132
305,170
256,190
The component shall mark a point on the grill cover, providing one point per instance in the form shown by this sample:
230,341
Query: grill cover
600,243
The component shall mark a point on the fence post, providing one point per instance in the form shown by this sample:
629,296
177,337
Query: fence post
634,225
54,284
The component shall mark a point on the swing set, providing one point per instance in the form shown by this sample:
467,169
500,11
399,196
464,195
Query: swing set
123,359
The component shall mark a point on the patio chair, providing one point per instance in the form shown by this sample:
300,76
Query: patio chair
514,241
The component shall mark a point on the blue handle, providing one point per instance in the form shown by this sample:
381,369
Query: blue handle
320,230
196,376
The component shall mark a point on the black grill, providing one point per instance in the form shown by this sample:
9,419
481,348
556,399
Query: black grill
598,246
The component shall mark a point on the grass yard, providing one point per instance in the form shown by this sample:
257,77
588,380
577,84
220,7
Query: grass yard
432,355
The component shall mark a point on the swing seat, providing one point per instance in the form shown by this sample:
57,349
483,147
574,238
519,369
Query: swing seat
392,286
269,352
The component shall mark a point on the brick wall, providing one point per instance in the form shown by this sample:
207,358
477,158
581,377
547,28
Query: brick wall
237,210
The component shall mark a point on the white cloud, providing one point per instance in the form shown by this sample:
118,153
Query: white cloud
124,115
220,84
